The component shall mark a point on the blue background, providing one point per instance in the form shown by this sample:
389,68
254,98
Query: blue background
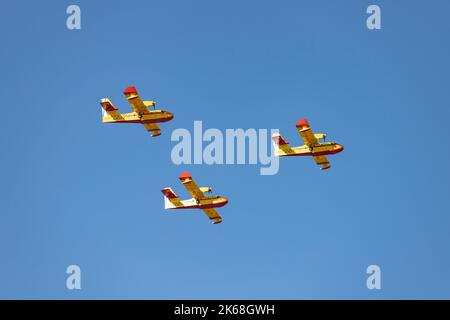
76,191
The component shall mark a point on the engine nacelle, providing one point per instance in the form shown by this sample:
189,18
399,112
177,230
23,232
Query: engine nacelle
320,136
205,189
150,104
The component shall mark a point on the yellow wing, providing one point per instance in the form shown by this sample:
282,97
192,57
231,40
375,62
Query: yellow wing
213,215
135,100
306,133
153,127
323,161
191,186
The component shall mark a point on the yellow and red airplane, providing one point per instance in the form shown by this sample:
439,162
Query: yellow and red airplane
198,201
312,146
142,114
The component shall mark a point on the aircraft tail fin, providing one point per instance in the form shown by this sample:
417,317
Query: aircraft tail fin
108,109
280,145
171,199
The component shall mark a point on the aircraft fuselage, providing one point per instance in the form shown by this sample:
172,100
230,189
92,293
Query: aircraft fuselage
322,149
208,203
154,116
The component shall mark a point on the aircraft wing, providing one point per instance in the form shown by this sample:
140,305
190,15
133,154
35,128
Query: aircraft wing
213,215
306,133
323,161
151,126
135,100
191,186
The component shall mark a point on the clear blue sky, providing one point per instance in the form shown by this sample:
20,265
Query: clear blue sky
76,191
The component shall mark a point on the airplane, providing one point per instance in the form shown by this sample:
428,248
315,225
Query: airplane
142,114
312,146
198,201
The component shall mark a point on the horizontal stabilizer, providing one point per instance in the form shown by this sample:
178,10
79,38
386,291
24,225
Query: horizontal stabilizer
168,192
109,109
280,145
171,199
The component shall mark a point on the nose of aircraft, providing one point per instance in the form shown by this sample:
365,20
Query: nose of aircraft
170,116
225,200
340,147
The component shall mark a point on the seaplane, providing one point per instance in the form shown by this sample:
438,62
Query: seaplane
312,147
144,113
198,201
